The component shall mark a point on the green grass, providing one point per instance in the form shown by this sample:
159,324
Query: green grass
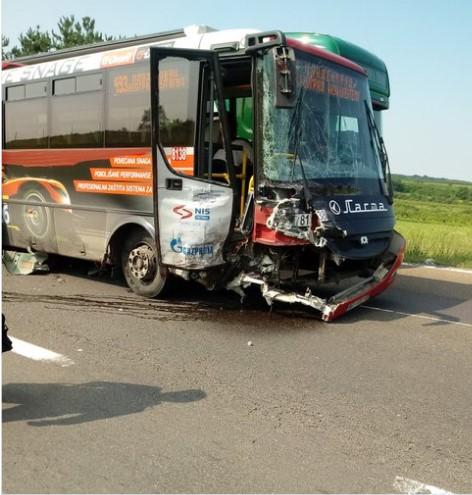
451,214
435,217
441,232
446,245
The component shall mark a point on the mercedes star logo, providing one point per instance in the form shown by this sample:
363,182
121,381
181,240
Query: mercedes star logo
334,207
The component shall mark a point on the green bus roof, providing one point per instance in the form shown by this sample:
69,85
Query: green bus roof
375,67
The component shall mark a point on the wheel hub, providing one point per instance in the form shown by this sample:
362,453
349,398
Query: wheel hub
142,262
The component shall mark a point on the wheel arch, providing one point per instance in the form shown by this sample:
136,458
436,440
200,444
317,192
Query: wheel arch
121,231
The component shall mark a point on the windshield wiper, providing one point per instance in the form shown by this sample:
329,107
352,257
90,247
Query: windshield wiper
381,150
296,129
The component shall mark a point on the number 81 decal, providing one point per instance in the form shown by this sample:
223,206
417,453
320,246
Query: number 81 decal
302,220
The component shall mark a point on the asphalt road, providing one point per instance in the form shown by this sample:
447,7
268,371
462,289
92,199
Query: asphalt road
167,396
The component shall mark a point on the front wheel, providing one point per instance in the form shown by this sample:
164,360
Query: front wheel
140,266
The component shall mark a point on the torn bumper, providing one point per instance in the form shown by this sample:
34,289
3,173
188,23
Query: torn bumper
338,304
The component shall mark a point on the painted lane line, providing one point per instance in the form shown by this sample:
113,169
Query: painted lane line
424,317
37,353
447,269
406,485
440,268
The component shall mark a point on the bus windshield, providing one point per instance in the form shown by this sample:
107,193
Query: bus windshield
326,136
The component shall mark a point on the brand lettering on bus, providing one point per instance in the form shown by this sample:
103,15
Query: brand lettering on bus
197,251
350,206
197,213
49,69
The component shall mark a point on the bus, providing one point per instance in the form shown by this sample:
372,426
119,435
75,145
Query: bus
130,154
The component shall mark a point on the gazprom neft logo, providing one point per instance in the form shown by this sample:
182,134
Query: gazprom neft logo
202,250
351,206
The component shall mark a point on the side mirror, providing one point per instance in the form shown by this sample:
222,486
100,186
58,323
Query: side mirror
285,77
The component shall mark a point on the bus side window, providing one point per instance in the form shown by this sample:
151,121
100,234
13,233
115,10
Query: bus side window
26,116
190,147
128,121
178,100
76,117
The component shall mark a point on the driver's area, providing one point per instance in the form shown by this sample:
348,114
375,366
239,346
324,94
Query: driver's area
237,94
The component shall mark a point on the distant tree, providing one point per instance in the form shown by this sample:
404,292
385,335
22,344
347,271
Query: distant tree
33,41
463,193
398,185
73,33
5,43
69,33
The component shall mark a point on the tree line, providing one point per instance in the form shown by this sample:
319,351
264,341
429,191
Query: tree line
439,191
69,33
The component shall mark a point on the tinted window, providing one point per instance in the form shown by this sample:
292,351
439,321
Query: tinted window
15,93
26,124
35,90
178,94
76,120
64,86
90,82
129,107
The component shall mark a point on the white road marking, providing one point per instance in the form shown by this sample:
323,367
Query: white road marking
37,353
406,485
441,268
424,317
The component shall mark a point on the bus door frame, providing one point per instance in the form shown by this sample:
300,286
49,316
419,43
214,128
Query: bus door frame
208,241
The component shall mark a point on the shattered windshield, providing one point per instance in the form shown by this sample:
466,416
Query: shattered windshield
326,136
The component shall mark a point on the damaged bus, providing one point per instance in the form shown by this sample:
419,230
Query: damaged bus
130,154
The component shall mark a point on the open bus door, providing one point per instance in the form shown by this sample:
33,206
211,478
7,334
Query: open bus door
193,206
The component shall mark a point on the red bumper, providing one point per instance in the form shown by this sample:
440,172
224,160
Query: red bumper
333,311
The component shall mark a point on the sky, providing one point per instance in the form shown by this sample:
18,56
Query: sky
426,44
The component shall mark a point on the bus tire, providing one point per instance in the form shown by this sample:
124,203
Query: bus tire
140,265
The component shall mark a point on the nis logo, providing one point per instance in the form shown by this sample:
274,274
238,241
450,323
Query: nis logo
351,206
197,213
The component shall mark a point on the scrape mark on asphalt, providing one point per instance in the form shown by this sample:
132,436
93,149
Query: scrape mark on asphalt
406,485
216,307
37,353
424,317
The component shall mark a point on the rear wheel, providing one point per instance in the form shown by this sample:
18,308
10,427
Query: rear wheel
140,266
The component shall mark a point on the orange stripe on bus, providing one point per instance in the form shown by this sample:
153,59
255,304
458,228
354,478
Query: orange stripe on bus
99,187
67,157
121,174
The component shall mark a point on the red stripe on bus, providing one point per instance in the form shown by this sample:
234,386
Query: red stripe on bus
321,52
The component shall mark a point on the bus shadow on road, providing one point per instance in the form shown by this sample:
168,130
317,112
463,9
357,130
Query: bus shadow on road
439,302
60,404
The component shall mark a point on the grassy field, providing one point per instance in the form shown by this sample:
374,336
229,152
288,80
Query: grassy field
435,216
